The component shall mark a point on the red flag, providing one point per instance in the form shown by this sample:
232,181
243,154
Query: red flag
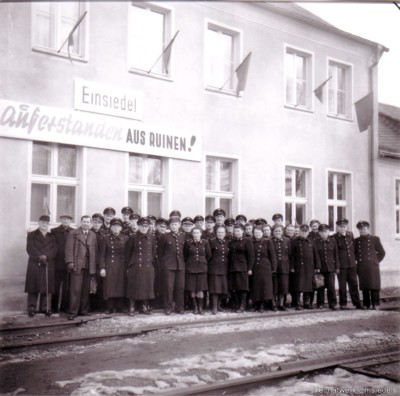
241,72
320,90
364,111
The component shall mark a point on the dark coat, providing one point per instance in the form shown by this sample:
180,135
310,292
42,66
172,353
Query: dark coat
140,259
369,253
283,251
112,254
241,255
208,235
61,235
345,244
264,266
76,250
38,245
218,264
170,251
304,261
328,254
197,255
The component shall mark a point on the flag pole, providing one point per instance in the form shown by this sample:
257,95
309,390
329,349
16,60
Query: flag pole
78,22
162,53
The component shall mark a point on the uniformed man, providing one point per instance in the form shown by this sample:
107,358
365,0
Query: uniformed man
199,221
170,253
330,265
41,247
59,300
187,226
133,227
369,253
304,263
229,224
109,214
209,233
348,267
126,211
260,222
241,219
161,228
152,223
175,213
277,218
219,215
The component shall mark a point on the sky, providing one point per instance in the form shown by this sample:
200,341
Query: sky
376,22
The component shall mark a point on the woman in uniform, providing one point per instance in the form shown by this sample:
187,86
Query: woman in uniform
266,230
197,253
241,261
112,266
218,268
263,270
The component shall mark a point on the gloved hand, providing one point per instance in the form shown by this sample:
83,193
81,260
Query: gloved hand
292,270
317,271
103,273
250,272
71,266
43,258
337,271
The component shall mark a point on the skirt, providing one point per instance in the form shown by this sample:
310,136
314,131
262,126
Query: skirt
239,281
218,284
282,283
196,282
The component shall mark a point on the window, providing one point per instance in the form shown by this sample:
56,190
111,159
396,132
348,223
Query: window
146,186
51,24
397,207
296,195
340,100
54,180
220,184
337,197
149,34
298,78
222,54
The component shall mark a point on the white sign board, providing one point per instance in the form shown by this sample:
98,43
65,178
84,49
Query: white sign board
51,124
107,99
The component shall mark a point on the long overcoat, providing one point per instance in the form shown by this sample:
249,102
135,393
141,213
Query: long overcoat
39,245
140,259
304,261
61,234
345,244
369,253
112,254
328,254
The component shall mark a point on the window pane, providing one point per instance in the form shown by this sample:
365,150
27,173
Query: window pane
154,201
43,25
226,204
288,182
288,212
135,169
341,103
330,186
289,70
397,221
341,187
341,212
154,171
397,192
300,183
226,176
210,205
40,195
66,161
331,217
68,16
135,201
301,90
66,200
300,213
41,159
211,171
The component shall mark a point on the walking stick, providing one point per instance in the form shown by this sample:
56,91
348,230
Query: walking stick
60,293
47,288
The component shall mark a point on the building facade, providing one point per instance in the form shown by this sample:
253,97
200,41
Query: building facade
102,117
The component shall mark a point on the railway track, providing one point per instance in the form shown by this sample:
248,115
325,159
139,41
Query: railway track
359,362
34,331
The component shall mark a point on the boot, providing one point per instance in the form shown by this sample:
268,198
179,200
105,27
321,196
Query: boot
273,306
132,311
219,308
243,298
145,308
214,301
200,305
195,308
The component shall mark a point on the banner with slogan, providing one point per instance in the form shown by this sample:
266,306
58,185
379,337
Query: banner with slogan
51,124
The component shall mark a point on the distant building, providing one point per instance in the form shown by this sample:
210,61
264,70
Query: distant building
104,118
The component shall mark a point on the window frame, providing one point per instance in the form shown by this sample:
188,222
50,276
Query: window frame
347,203
233,195
396,208
309,192
237,35
349,94
169,31
83,37
53,181
144,188
310,71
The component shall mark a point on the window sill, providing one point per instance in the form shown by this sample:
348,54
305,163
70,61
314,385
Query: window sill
340,117
152,75
299,108
53,52
227,92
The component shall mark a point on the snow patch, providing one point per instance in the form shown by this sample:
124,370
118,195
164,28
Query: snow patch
343,339
370,333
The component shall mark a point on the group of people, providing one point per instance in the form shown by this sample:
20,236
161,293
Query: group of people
135,264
